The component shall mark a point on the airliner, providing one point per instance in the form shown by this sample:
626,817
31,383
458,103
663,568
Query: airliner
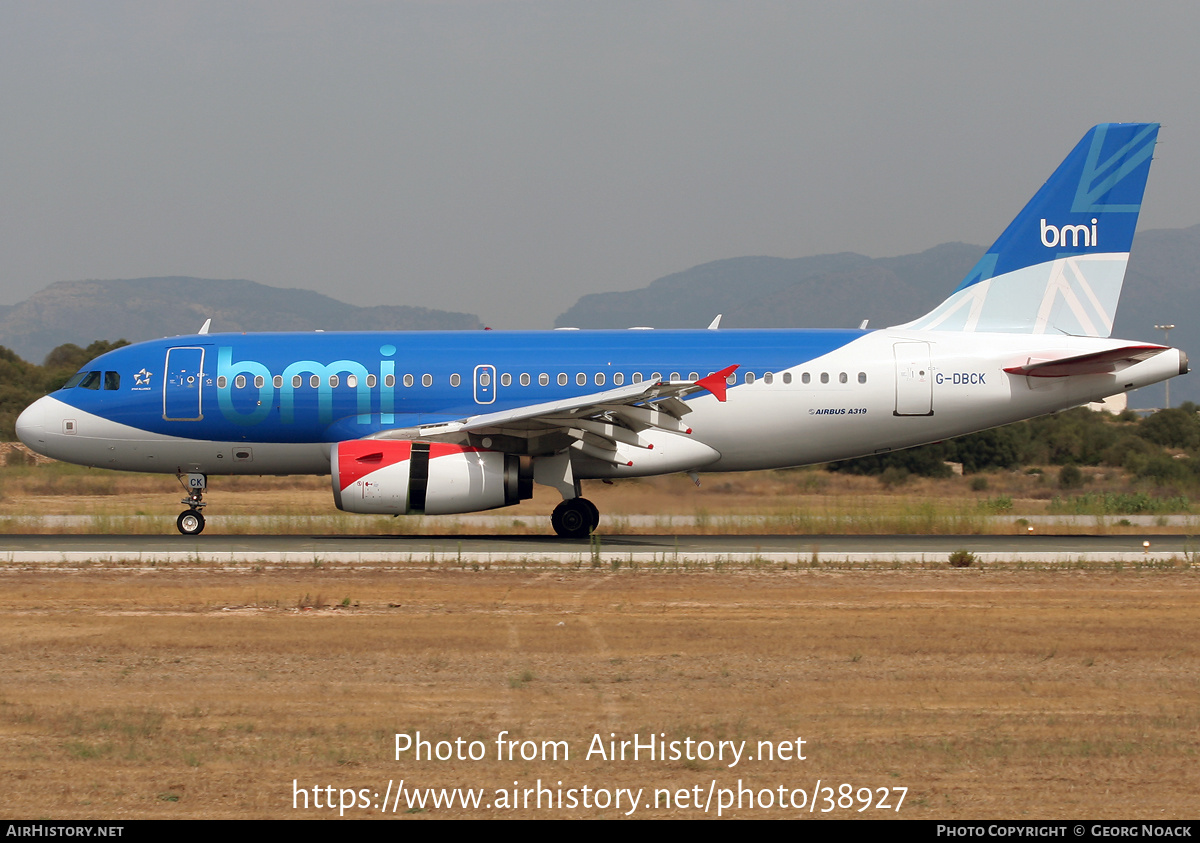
453,422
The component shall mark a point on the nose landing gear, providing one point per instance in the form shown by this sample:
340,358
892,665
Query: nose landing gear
191,521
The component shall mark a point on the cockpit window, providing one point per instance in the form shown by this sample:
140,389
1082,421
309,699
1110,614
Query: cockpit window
93,380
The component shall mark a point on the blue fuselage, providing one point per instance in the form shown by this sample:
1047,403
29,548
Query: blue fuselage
328,387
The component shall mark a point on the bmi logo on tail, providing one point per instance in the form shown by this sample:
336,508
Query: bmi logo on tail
1053,235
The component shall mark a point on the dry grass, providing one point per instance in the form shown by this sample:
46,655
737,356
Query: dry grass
204,691
791,501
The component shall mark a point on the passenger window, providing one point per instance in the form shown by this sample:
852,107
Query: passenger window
297,381
618,379
693,376
842,378
371,381
222,381
484,379
674,376
581,379
657,376
259,381
277,381
787,377
455,380
806,378
543,379
824,377
426,380
334,380
749,377
314,381
408,380
562,379
352,381
599,379
768,378
506,379
862,377
240,382
112,380
524,379
637,377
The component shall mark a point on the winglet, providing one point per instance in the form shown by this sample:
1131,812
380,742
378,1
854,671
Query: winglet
716,383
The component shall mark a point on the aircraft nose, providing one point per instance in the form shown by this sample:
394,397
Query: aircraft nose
31,425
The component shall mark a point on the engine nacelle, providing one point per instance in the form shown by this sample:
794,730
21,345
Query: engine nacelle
394,477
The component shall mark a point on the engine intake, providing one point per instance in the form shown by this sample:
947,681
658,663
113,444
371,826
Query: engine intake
424,478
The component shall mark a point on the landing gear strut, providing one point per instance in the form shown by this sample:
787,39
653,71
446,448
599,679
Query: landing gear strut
191,521
575,518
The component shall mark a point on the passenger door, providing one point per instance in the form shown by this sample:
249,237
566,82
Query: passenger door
914,379
183,384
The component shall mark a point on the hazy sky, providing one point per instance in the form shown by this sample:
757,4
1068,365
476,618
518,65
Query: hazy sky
506,157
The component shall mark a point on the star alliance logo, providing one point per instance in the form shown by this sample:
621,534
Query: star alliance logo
142,378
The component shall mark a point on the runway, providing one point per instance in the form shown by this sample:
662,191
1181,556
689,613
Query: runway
602,549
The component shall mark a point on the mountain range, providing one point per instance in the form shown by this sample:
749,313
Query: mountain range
147,308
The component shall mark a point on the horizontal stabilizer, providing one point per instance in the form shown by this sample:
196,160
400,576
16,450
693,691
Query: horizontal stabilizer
1096,363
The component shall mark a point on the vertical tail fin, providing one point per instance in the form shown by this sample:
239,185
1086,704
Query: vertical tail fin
1059,265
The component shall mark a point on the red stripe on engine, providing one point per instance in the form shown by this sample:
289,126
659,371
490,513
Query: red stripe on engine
359,457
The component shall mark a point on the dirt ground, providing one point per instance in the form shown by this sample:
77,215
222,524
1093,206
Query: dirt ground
244,691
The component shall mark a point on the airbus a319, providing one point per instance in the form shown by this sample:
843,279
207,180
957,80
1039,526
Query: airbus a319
454,422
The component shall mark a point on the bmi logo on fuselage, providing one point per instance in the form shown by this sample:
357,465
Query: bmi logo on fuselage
1055,235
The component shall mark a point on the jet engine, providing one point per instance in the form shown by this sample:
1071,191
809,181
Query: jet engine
395,477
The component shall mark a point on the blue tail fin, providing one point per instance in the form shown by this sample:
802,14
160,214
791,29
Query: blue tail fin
1059,265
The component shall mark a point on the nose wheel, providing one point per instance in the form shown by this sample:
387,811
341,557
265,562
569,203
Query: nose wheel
575,518
190,522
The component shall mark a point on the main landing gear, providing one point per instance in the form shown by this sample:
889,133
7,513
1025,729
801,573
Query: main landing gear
575,518
191,521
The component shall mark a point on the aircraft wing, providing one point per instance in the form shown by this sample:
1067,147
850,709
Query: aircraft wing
1095,363
597,421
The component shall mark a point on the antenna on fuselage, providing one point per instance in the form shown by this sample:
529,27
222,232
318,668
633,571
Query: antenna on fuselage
716,323
204,327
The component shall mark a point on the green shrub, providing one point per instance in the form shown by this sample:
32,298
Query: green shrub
962,559
1070,477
